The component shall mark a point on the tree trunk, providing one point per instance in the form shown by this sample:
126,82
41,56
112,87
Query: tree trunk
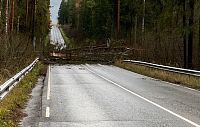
199,44
190,36
118,17
143,23
18,23
135,34
131,30
27,11
12,15
0,8
6,12
33,23
184,35
143,17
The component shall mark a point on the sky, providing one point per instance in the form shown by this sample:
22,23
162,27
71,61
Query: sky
55,5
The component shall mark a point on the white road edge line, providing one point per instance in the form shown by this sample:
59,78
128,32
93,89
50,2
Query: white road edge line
48,86
47,112
153,103
192,89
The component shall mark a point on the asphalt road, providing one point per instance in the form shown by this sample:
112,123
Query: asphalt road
108,96
56,38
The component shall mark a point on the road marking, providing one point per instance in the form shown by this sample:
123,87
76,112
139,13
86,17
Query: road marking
48,86
192,89
153,103
47,112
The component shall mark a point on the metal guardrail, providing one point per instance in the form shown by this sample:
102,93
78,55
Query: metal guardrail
166,68
9,84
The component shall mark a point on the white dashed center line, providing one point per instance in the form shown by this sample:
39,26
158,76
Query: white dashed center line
49,80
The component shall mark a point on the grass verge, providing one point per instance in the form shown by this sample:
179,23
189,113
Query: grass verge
181,79
11,105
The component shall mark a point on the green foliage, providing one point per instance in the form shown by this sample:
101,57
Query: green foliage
23,15
158,27
42,18
63,13
93,17
97,18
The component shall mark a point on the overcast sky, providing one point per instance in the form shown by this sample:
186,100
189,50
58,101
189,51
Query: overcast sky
55,5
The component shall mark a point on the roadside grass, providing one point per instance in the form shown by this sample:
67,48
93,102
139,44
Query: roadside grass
181,79
11,105
46,41
12,66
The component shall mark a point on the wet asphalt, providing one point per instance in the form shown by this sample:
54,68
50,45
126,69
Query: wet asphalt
108,96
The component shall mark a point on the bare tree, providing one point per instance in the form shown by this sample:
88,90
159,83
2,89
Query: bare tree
12,15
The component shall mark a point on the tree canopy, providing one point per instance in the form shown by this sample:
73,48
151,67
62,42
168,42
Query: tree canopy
153,25
24,16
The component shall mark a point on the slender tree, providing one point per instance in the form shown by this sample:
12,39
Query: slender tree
143,17
118,16
156,26
184,35
12,15
190,36
6,13
27,11
1,2
199,43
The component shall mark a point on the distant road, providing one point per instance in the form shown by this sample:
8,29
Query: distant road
107,96
56,38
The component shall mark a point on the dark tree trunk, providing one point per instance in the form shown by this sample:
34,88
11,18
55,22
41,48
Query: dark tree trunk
184,35
27,11
6,12
12,15
190,36
33,20
118,17
199,45
0,8
135,30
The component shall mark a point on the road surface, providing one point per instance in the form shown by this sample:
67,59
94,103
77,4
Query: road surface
56,38
108,96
